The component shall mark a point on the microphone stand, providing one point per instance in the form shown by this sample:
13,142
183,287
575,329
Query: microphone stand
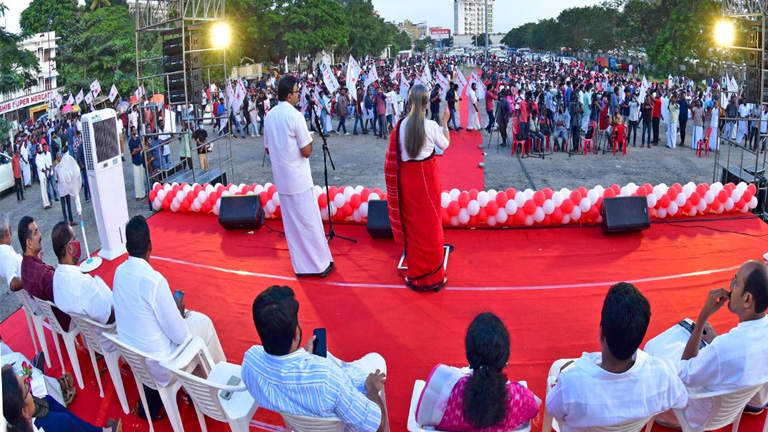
326,157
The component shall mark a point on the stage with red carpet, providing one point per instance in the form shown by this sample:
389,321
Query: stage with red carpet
546,284
460,165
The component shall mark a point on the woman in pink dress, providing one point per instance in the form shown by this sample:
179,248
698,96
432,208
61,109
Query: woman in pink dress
481,398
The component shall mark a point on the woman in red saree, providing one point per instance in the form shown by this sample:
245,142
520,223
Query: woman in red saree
413,192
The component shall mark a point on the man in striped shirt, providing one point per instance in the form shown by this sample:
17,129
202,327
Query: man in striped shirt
285,378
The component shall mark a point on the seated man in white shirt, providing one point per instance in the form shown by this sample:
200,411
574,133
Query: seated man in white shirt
146,315
620,384
75,292
285,378
733,361
10,260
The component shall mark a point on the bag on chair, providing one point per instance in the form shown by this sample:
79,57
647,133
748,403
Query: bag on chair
590,133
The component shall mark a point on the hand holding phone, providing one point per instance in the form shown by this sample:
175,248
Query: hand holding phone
178,297
321,344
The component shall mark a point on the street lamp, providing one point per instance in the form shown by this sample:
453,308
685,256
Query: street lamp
220,35
724,33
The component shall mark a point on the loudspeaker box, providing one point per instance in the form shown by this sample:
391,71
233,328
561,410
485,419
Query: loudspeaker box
241,212
378,219
622,214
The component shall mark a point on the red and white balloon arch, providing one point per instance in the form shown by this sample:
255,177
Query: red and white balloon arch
475,208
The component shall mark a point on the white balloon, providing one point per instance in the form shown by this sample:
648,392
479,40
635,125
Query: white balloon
157,204
250,193
473,208
651,200
600,219
548,206
180,195
454,194
233,189
502,216
584,205
445,199
557,198
267,185
736,195
741,187
363,209
529,220
463,216
216,211
576,213
491,221
520,199
356,216
209,188
625,191
592,196
491,195
334,210
276,198
528,194
348,192
709,197
752,203
174,206
324,213
161,194
566,219
454,221
693,212
565,192
373,197
672,209
744,209
538,215
702,206
680,200
359,189
270,207
511,207
661,213
482,198
316,189
721,209
729,204
195,206
599,189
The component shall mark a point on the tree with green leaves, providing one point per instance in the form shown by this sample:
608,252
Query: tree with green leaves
44,15
314,25
401,42
18,67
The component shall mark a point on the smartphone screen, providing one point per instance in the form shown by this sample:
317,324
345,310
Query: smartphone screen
233,381
178,295
321,346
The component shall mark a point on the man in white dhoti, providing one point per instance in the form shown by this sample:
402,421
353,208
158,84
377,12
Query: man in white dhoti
473,122
289,144
744,111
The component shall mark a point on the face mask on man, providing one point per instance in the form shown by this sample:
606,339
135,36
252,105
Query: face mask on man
75,251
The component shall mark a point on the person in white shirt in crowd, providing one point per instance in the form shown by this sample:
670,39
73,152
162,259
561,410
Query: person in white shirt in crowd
133,117
146,315
621,383
634,118
281,376
10,260
75,292
289,145
732,361
24,155
42,175
714,122
743,129
473,122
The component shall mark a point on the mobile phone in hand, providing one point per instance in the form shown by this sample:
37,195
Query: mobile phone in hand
178,296
321,344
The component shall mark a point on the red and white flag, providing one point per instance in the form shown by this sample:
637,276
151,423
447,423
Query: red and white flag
70,100
328,77
353,74
96,88
89,98
79,97
139,92
461,81
112,93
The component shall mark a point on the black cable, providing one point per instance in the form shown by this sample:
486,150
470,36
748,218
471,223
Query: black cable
270,230
525,171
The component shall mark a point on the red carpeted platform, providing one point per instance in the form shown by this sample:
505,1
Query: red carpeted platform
459,166
546,284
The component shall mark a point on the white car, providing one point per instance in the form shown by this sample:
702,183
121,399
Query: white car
6,172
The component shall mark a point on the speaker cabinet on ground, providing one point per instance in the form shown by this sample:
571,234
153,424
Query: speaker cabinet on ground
378,220
241,212
622,214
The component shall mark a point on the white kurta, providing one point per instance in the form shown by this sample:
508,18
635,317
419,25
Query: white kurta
25,171
81,294
285,134
41,175
473,122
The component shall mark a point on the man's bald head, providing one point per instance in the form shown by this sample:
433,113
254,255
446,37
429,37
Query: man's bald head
755,277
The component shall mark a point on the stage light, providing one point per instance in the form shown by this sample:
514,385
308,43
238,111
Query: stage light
724,33
220,35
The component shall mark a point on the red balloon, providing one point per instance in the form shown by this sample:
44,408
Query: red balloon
264,197
378,192
322,200
677,187
348,210
687,207
548,192
672,192
473,194
332,191
529,207
277,212
472,221
616,188
747,195
482,215
365,194
664,201
723,195
492,208
152,195
583,191
464,198
609,193
648,187
220,189
729,187
701,189
641,191
752,189
271,191
445,217
355,201
547,220
599,203
539,197
593,213
519,216
557,215
501,199
510,192
453,208
567,206
694,198
576,196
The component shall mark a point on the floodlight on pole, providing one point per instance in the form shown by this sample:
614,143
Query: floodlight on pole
220,35
724,33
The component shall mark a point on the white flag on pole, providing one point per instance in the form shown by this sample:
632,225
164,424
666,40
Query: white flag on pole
70,100
112,93
59,100
443,82
372,77
79,97
426,76
230,94
328,77
395,72
89,98
474,79
95,88
240,93
404,89
462,82
353,74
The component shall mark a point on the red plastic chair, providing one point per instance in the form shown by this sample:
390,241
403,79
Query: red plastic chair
589,142
515,142
704,142
620,138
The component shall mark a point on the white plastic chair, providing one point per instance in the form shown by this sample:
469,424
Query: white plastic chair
69,339
414,426
727,407
37,319
138,362
298,423
91,330
205,392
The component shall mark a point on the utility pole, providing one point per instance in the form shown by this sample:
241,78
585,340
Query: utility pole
486,30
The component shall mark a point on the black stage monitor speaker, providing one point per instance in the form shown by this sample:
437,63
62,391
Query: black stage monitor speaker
623,214
241,211
378,219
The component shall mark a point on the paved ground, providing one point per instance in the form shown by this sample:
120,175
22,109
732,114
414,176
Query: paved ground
360,160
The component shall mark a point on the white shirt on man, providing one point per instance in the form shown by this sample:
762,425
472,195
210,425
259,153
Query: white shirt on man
434,135
146,315
733,361
586,395
10,263
40,164
285,134
81,294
